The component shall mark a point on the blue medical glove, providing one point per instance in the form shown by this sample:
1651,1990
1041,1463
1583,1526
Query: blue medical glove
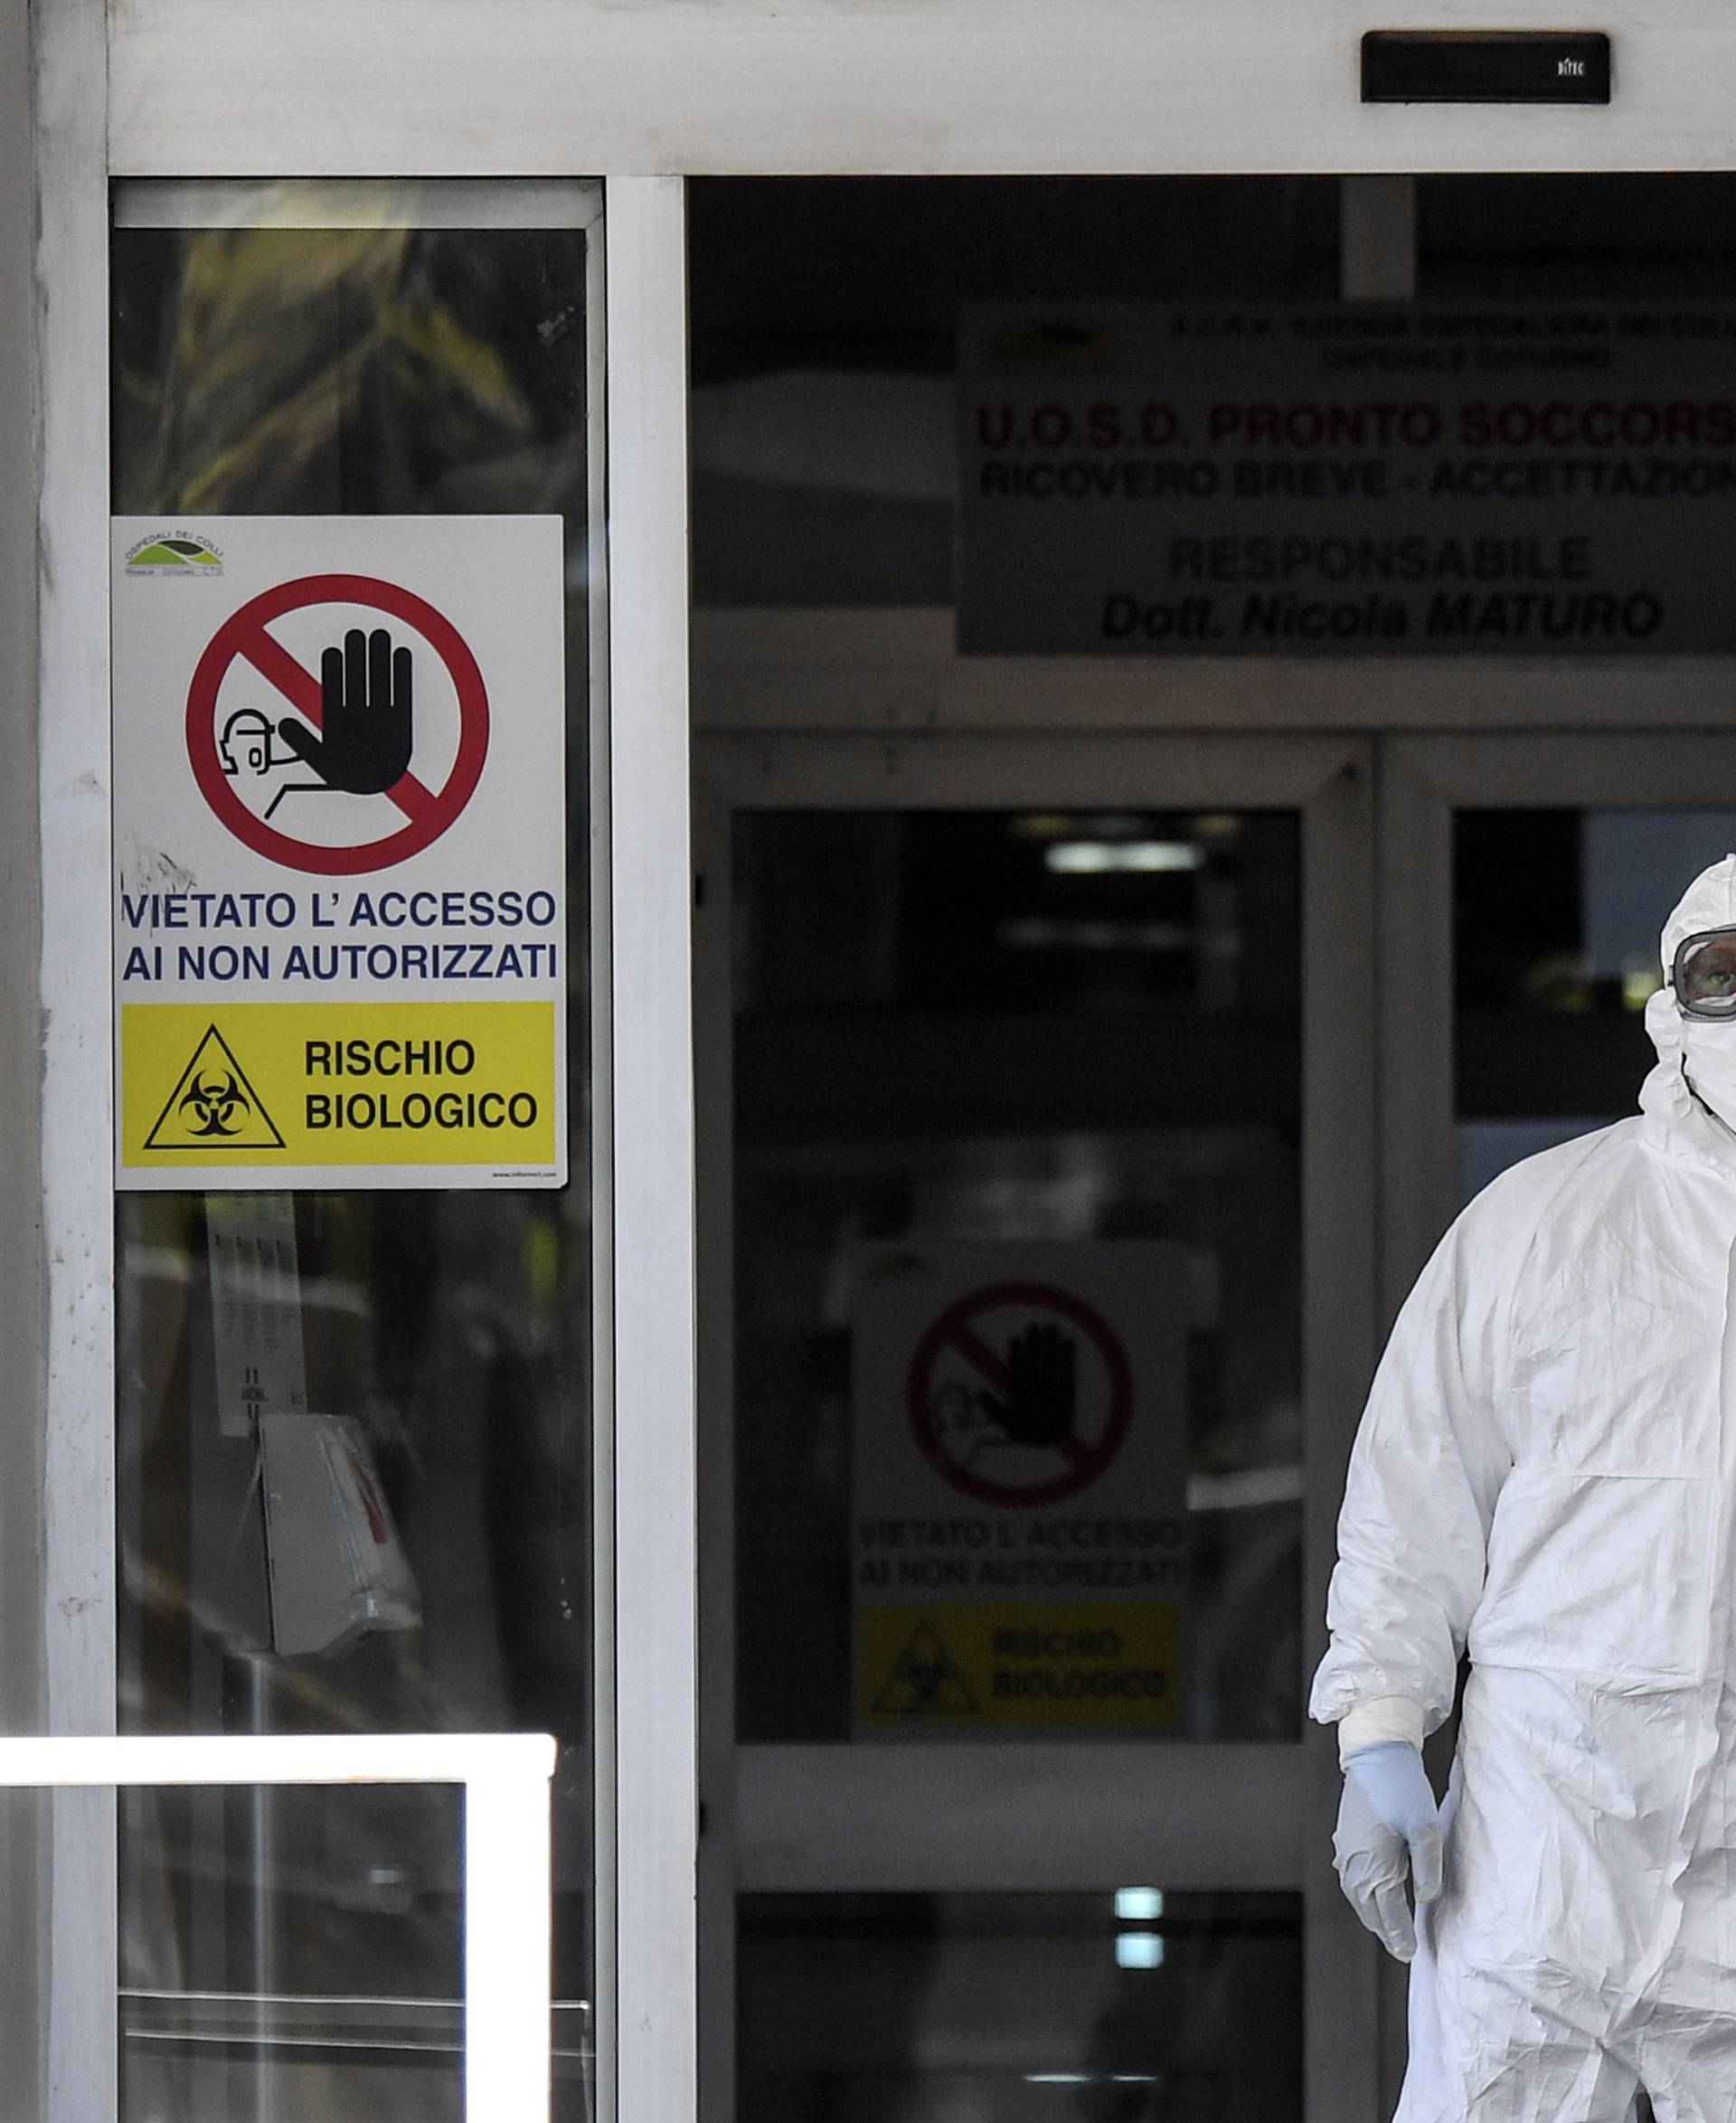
1389,1827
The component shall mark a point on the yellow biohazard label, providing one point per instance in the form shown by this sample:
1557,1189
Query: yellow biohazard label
1025,1663
258,1085
924,1681
214,1102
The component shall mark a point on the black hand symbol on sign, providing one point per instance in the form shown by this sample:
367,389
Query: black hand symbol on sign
365,740
1041,1388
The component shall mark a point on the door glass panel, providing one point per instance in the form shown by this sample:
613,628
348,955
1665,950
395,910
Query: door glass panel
298,1954
826,319
1050,1053
1558,915
1137,2007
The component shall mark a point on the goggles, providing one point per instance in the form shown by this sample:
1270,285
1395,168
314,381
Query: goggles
1704,974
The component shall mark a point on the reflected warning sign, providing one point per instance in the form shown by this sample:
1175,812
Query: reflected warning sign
1020,1393
213,1106
924,1682
1019,1547
1020,1663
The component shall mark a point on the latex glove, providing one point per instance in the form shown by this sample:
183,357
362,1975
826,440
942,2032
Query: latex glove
1389,1829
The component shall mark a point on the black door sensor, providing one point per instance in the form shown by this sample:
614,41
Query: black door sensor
1485,66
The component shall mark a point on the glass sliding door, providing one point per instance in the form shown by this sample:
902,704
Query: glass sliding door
1029,1362
1032,1033
1526,881
355,353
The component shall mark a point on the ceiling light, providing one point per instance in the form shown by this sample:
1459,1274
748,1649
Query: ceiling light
1096,858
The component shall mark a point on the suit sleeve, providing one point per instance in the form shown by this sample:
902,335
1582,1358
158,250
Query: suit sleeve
1427,1465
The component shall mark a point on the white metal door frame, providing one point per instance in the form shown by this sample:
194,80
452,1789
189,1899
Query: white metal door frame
75,1944
1080,1815
645,1767
1422,782
22,1291
654,1470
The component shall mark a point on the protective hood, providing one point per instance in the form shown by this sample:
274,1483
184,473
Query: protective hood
1696,1059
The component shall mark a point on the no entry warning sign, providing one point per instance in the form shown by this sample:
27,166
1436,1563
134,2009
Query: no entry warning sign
1019,1481
1020,1393
340,852
351,731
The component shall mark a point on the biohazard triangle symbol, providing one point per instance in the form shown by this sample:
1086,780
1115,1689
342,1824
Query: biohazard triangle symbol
924,1682
213,1107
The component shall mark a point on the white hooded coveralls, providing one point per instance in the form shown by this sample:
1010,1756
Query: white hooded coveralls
1545,1477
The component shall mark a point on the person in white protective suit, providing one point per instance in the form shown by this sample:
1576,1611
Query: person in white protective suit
1545,1477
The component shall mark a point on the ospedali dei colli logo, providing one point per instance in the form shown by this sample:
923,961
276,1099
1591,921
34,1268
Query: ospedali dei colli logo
174,553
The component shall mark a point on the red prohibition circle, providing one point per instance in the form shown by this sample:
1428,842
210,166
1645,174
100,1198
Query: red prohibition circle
953,1329
428,812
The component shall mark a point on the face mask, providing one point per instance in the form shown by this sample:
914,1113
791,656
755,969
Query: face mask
1709,1058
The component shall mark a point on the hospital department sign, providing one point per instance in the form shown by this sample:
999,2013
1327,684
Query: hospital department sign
1147,481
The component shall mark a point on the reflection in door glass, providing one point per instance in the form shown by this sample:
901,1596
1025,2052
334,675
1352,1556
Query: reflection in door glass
1135,2007
297,1954
826,317
1017,1103
1557,916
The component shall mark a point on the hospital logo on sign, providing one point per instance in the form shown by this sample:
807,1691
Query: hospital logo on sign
174,553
